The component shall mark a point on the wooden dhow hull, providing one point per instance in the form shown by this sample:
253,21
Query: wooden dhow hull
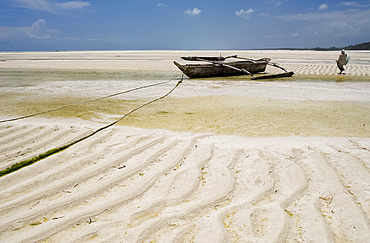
219,70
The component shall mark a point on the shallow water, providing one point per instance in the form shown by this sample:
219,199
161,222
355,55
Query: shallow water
299,106
95,83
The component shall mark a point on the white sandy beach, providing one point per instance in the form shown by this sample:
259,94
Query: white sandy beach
301,62
219,160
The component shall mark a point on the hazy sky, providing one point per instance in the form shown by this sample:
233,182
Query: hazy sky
181,24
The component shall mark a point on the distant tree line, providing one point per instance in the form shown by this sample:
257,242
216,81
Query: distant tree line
362,46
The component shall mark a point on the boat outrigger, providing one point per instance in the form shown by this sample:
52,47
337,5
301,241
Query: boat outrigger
218,66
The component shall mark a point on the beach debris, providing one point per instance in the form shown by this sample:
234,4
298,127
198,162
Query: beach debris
121,167
289,213
35,223
34,204
57,217
327,199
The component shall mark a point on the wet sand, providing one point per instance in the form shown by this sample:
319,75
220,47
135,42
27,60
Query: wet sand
224,160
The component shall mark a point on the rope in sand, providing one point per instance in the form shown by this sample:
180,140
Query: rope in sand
71,105
50,152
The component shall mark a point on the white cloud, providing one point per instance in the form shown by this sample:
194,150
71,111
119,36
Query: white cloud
245,13
162,6
336,24
350,4
279,3
74,5
354,4
43,5
266,14
193,12
268,36
295,34
50,6
323,6
274,2
37,31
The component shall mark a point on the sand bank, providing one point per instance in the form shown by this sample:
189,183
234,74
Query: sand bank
217,161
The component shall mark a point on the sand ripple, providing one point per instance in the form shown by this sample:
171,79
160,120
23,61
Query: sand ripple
321,69
129,184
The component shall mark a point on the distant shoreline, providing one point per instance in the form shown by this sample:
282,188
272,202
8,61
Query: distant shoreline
258,49
357,47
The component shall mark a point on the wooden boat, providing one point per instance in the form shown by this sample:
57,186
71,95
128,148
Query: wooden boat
217,66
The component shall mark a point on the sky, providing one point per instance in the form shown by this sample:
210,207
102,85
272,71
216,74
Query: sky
49,25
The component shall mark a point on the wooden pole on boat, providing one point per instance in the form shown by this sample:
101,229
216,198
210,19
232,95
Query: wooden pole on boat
238,69
285,74
229,66
269,63
275,65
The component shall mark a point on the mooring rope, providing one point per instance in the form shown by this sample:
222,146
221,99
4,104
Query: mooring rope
50,152
104,97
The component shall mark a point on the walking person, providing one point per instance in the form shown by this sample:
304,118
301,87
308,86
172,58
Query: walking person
342,60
